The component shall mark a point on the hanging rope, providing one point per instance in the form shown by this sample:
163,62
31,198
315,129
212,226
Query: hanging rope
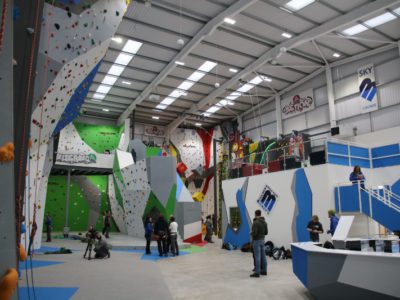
3,23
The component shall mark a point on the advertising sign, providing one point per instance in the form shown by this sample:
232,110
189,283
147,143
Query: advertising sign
297,104
367,88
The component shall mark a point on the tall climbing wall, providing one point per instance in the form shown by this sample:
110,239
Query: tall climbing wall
72,44
195,148
116,205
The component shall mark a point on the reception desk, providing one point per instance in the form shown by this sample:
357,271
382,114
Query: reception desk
346,274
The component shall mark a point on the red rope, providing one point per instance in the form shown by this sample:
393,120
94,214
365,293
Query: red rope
3,23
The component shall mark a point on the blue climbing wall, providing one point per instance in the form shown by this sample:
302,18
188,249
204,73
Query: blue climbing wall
303,196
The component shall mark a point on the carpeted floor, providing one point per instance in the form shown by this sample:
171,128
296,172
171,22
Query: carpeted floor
206,272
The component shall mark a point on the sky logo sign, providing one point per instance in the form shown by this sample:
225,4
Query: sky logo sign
267,199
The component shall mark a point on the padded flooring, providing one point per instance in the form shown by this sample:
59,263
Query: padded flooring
206,272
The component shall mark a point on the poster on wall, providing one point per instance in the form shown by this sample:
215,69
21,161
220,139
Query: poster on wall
297,104
152,130
367,87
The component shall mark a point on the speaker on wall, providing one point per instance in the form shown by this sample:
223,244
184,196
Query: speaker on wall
335,130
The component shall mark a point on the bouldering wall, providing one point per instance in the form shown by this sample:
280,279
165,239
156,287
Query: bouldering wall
73,42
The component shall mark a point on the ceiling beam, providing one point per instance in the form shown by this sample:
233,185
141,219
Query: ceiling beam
327,27
207,29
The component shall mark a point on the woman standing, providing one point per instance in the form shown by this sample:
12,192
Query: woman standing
148,230
357,176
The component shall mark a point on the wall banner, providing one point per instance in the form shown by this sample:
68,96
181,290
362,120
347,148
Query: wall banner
367,87
297,104
150,130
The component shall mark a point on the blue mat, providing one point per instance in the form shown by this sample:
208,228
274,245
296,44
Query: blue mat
38,264
129,251
155,257
47,293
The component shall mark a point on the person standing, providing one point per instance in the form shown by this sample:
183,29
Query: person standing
334,221
107,223
161,230
209,230
48,227
148,230
357,176
258,232
173,233
315,228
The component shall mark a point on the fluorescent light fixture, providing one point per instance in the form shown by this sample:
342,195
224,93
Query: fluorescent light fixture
109,80
230,21
197,124
185,85
116,70
103,89
161,106
298,4
336,54
155,117
124,59
196,76
286,35
213,109
379,20
99,96
132,47
126,82
207,66
354,29
233,70
180,63
168,101
106,109
117,39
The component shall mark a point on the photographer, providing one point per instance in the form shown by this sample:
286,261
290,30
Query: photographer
90,237
101,247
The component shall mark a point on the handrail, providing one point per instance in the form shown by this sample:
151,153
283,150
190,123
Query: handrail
381,198
391,194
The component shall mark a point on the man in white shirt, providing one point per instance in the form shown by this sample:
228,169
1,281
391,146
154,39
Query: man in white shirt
173,233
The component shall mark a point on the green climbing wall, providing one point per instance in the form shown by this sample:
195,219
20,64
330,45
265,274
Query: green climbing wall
153,151
79,207
153,204
100,137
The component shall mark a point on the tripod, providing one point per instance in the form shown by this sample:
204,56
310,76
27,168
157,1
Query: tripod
89,248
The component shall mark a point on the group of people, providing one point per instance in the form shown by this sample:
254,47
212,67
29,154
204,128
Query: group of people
315,228
166,235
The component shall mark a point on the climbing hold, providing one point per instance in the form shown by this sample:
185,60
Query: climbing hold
57,26
8,284
22,253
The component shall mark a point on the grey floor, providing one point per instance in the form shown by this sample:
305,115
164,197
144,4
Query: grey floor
213,274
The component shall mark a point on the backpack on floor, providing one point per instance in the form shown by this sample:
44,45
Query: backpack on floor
247,248
276,253
269,246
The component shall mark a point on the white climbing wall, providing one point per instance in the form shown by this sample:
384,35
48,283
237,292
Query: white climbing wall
117,210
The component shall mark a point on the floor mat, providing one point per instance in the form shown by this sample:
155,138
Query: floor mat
155,257
38,264
47,293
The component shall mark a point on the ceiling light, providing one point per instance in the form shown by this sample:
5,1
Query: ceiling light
117,39
286,35
132,47
168,101
103,89
229,21
109,80
185,85
233,70
298,4
379,20
116,70
126,82
197,124
336,54
161,106
99,96
123,59
355,29
180,63
207,66
155,117
106,109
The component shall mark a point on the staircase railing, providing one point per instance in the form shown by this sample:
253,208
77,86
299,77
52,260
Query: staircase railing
373,193
391,194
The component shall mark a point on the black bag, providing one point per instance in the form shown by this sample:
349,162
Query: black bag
276,253
247,248
328,245
269,246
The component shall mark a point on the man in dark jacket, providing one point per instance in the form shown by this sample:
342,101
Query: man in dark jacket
258,232
161,230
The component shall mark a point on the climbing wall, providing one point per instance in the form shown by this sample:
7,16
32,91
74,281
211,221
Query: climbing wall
71,47
92,194
116,205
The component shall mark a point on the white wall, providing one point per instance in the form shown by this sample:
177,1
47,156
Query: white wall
387,74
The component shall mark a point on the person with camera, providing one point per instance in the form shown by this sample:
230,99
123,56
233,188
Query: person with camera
90,237
101,248
161,230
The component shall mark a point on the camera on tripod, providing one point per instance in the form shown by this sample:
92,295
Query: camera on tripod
90,238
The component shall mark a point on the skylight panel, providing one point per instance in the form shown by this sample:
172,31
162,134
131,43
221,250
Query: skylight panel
132,47
109,80
298,4
123,59
99,96
116,70
245,88
161,106
168,101
185,85
213,109
103,89
379,20
196,76
207,66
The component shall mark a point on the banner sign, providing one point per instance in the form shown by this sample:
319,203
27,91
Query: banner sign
367,88
297,104
154,131
71,158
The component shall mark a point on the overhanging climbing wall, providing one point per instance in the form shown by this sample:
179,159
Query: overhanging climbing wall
72,43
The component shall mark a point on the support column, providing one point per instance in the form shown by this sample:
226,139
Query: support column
8,235
331,96
215,219
278,114
66,227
